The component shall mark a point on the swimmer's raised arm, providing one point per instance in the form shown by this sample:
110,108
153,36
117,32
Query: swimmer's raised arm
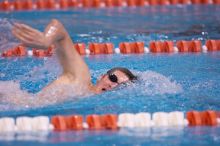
73,65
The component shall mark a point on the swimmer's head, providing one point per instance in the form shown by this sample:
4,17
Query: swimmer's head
114,78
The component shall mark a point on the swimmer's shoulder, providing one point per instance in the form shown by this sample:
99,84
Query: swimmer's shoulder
66,79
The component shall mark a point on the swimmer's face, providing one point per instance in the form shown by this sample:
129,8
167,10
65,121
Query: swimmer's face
111,80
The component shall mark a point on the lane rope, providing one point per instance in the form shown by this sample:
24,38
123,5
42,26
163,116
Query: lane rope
18,5
181,46
110,121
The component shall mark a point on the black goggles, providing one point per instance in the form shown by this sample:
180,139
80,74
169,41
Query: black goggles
113,78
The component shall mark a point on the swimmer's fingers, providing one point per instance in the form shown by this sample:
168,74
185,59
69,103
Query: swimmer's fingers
30,37
24,38
27,29
19,33
21,38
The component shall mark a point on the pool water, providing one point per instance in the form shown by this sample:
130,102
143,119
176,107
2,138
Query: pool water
167,82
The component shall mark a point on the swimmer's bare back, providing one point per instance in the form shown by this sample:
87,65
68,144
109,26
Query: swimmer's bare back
75,70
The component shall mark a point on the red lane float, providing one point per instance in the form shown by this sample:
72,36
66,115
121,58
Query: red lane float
118,3
5,5
59,123
216,1
80,47
50,4
182,46
156,47
196,1
28,5
160,47
109,3
17,51
109,121
96,3
64,4
189,46
74,122
153,2
206,118
164,2
20,51
73,3
194,118
91,3
140,2
86,3
131,3
195,46
41,4
115,3
131,47
18,5
43,53
63,123
23,5
218,43
209,118
184,2
94,122
8,53
213,45
101,48
99,122
174,2
205,1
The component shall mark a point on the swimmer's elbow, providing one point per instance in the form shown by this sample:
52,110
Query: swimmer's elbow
56,23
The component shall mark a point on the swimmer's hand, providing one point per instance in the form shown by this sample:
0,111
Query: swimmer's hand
30,37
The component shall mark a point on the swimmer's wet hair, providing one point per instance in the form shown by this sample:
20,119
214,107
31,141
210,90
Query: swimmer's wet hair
126,71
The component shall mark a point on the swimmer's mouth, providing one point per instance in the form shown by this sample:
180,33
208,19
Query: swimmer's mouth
103,89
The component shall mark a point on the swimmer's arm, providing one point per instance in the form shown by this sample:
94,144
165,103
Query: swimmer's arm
73,65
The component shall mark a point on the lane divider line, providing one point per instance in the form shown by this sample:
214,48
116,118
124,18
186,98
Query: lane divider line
27,5
181,46
110,121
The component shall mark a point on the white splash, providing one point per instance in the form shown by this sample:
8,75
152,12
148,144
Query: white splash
149,83
7,40
152,83
11,94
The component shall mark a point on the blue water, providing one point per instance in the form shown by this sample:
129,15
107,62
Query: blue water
194,79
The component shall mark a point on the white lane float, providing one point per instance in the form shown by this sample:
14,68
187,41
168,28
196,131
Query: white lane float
24,124
160,119
7,125
41,123
143,120
176,118
126,120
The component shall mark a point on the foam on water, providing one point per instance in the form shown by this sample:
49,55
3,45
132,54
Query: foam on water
13,96
149,83
7,40
152,83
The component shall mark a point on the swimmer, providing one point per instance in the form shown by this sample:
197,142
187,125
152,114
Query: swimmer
75,70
